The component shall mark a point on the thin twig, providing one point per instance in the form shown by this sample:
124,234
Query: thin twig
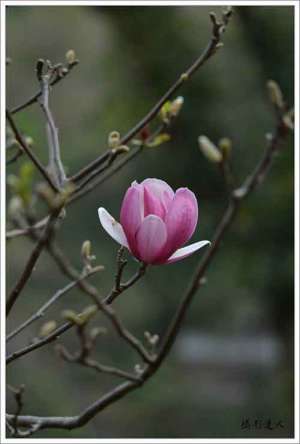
119,286
83,358
32,260
90,290
57,295
18,395
33,99
27,230
55,164
113,155
15,157
78,176
30,153
78,195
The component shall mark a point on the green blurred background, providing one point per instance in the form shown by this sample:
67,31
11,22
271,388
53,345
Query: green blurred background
234,357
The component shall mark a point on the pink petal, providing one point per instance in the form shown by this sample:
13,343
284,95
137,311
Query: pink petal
161,190
132,213
186,251
152,204
151,238
181,219
112,227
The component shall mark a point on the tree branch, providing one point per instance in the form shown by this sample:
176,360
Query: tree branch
57,295
55,164
14,294
33,99
72,273
30,153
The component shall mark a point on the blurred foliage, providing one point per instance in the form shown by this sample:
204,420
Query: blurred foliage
129,56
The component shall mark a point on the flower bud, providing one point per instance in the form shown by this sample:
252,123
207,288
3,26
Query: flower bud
29,141
145,133
164,112
96,331
145,233
176,106
225,146
209,149
47,328
121,149
71,316
159,140
138,369
114,139
88,313
288,119
70,56
86,249
275,94
184,76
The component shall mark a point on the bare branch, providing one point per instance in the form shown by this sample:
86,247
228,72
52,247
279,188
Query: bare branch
82,357
32,260
78,195
27,230
119,286
55,166
30,153
57,295
67,269
15,157
61,74
18,395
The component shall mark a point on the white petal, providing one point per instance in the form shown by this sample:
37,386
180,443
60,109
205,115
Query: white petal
112,227
186,251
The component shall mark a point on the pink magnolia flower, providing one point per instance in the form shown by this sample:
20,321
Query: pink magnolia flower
155,222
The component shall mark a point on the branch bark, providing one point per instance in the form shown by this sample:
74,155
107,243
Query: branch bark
33,99
30,153
14,294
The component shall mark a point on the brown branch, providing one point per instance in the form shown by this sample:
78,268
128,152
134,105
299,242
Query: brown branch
82,356
57,295
18,395
82,173
72,273
27,230
119,286
15,157
78,195
112,156
14,294
33,99
55,164
209,51
30,153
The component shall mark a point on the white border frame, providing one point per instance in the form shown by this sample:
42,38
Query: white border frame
296,5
